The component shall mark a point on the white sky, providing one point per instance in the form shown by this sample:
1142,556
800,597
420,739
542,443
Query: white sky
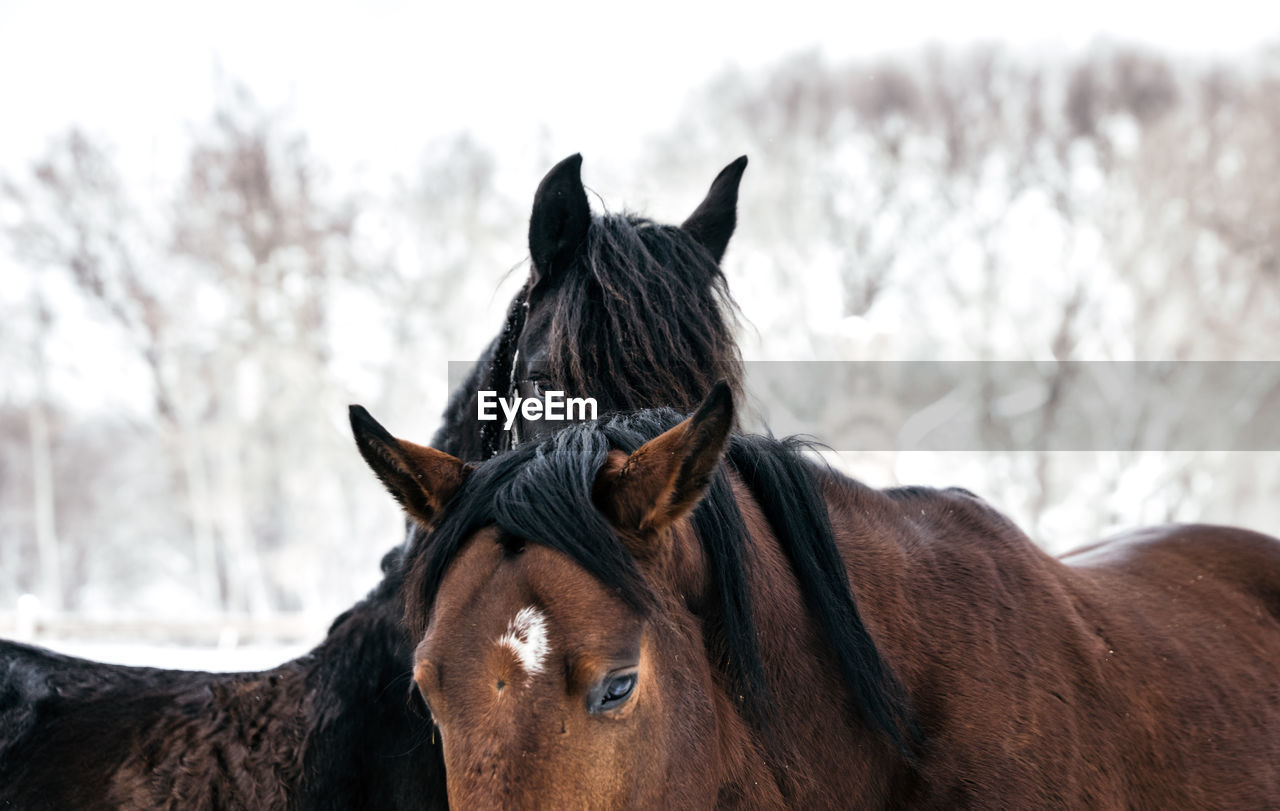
372,82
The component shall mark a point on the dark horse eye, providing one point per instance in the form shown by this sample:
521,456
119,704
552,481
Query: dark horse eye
615,690
541,383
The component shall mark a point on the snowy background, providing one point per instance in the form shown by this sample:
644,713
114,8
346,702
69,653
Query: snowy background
221,224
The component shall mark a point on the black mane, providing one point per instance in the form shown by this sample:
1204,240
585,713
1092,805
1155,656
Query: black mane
626,326
645,308
543,492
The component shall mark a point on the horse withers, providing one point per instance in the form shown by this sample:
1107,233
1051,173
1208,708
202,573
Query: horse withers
899,648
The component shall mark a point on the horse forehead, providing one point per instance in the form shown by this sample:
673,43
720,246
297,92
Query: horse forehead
533,603
491,592
472,569
474,593
537,325
526,636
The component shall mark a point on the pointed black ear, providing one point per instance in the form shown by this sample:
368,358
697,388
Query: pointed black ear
421,479
715,218
665,477
560,218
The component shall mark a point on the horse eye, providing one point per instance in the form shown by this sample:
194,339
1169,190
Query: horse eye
617,690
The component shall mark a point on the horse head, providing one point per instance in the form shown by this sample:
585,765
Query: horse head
618,307
564,662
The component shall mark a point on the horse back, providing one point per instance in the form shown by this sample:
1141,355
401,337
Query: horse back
81,734
1141,672
60,726
1216,558
1185,627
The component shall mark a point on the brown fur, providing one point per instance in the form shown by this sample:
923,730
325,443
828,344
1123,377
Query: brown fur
233,743
1139,673
238,764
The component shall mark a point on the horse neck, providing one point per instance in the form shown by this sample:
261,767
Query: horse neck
365,744
937,575
814,756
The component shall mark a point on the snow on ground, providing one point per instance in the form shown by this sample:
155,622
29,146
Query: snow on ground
245,657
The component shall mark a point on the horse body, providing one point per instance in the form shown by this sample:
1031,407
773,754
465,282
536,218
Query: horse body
974,670
335,728
216,720
1139,673
332,729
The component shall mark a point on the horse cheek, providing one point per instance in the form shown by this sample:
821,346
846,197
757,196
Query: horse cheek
676,752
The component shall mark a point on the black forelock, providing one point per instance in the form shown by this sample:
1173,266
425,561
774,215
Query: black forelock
541,492
645,309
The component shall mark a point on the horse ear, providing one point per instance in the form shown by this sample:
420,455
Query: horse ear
665,477
560,218
712,223
421,479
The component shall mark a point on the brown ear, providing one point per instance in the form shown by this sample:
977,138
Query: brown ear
421,479
666,476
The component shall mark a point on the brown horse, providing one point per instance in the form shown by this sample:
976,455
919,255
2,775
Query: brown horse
573,650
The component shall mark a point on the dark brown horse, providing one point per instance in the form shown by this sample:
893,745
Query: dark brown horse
915,649
617,307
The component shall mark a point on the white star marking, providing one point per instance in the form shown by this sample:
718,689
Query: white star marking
526,636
